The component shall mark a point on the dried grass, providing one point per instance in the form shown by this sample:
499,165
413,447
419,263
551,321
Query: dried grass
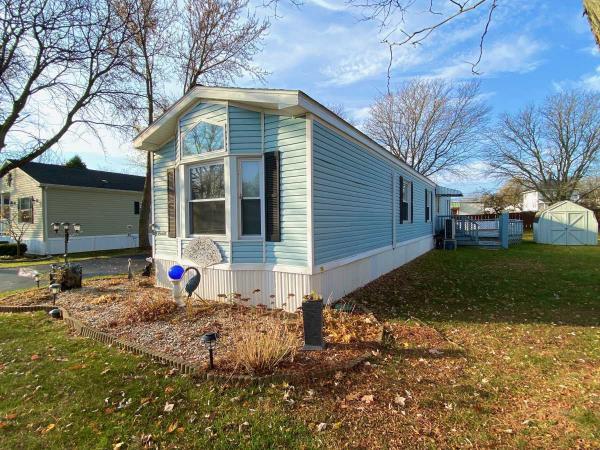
147,308
261,349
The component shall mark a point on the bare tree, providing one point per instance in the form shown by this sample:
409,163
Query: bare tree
589,192
16,227
218,42
340,110
552,147
432,125
396,19
149,51
59,63
509,196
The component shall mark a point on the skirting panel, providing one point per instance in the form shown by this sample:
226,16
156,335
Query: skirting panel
286,290
91,243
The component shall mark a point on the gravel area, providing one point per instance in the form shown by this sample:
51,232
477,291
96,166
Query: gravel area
141,313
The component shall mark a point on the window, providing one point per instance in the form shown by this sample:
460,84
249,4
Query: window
25,206
204,137
207,199
5,207
250,187
136,208
406,201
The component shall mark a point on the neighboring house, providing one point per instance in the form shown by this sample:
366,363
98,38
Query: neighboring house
105,204
468,206
296,199
534,201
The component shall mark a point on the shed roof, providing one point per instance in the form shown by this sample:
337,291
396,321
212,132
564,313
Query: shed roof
560,205
54,174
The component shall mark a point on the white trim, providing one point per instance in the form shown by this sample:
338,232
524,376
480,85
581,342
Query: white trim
84,188
44,205
240,160
350,259
152,211
310,238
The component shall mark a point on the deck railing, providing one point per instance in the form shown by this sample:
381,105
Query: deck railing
486,229
515,231
465,227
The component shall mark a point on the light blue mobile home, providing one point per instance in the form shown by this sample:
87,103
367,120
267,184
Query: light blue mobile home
296,199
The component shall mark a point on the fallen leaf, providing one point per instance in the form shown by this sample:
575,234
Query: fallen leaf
104,372
109,410
399,400
49,428
367,398
78,366
35,357
353,396
172,427
11,416
3,424
169,407
118,445
169,389
321,426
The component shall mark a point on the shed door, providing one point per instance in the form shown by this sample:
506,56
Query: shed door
567,228
558,228
576,230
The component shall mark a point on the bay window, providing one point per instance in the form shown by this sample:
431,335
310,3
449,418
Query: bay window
207,199
250,197
202,138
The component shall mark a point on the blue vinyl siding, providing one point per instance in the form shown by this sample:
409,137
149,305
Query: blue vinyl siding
247,251
288,135
355,205
406,231
164,159
245,131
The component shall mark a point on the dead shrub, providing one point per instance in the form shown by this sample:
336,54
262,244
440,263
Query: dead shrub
345,327
147,308
260,348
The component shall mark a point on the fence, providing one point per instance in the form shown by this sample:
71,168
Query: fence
527,217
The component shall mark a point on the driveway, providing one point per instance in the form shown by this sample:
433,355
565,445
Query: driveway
9,280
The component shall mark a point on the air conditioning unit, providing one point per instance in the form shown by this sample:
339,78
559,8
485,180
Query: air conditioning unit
449,229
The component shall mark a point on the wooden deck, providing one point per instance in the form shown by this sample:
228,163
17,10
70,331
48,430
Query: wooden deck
483,233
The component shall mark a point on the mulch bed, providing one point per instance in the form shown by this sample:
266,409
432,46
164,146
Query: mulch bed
109,305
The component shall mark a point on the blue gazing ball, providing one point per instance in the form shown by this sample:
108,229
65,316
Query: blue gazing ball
176,272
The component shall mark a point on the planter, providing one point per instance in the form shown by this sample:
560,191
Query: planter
312,317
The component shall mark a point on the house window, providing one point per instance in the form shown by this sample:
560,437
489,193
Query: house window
136,208
204,137
250,195
406,201
207,199
5,211
25,207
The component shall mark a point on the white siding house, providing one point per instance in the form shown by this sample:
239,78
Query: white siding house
296,199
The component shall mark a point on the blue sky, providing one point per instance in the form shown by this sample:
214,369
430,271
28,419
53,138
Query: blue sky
533,49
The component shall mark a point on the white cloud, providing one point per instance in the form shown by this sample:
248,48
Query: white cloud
589,81
516,55
330,5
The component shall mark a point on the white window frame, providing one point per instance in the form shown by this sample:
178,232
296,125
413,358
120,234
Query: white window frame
208,155
252,237
406,193
30,209
188,198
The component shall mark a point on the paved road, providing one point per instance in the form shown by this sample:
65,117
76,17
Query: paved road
91,268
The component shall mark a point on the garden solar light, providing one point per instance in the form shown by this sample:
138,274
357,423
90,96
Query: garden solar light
36,277
55,289
55,226
65,226
209,340
77,227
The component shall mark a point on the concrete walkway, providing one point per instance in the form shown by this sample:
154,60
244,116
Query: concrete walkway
9,280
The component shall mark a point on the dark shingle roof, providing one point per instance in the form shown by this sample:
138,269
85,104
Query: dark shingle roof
64,176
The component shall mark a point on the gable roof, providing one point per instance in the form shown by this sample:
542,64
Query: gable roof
54,174
277,101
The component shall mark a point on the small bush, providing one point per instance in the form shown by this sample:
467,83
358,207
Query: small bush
261,349
147,308
11,249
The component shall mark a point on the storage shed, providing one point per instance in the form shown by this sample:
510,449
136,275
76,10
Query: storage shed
566,223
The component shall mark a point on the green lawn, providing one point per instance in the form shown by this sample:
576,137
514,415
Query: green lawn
25,262
57,391
491,348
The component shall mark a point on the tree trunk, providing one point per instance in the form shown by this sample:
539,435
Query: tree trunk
143,231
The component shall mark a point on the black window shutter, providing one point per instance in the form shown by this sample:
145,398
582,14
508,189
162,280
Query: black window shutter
426,205
412,202
31,210
401,199
272,196
171,203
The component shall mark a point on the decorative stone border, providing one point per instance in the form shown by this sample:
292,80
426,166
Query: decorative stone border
86,331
